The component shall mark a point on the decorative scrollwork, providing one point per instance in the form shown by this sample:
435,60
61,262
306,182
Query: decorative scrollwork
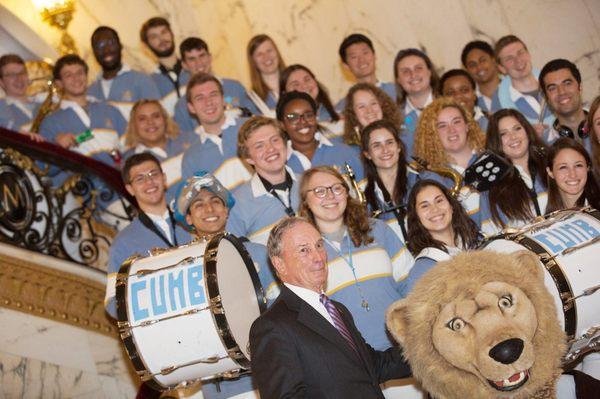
76,221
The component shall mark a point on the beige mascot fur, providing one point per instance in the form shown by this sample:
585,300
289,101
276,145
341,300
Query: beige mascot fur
481,325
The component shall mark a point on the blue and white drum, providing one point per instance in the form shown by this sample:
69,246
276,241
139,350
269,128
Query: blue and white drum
568,245
184,314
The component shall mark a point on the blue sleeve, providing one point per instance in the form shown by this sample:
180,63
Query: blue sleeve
445,181
258,253
120,124
182,116
244,98
495,102
188,164
148,88
422,266
115,259
96,91
339,107
353,159
235,222
48,128
392,244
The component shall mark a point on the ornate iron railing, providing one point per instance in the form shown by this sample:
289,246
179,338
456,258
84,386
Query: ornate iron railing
58,202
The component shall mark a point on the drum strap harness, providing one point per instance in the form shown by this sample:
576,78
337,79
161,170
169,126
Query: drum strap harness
173,75
533,194
398,210
149,224
285,186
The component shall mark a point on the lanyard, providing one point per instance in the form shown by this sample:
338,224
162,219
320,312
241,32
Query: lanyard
269,187
288,209
149,224
167,72
389,206
532,193
364,303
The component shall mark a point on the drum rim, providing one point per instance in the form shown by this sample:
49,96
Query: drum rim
552,265
121,293
220,320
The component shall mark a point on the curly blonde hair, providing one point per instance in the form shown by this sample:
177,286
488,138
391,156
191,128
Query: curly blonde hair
132,137
356,218
389,110
428,145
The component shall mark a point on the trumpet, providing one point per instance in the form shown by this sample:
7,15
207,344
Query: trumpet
47,107
359,195
421,165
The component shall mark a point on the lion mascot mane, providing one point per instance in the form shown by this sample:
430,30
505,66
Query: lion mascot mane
482,325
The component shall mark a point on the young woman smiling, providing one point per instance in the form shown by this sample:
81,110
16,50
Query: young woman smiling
365,104
438,227
265,64
571,182
448,137
308,146
389,177
521,195
299,78
416,85
593,126
364,255
151,130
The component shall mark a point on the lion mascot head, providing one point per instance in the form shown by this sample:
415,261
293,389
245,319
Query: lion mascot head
481,325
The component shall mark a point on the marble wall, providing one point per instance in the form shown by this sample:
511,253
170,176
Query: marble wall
309,31
41,358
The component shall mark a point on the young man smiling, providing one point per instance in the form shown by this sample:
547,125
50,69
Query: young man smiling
216,150
196,58
358,56
169,76
17,110
80,116
520,88
155,226
272,193
478,59
560,80
118,83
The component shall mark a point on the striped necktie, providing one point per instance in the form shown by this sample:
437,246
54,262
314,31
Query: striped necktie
337,320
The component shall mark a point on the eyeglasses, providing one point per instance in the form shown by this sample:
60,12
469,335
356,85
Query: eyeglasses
336,189
101,45
141,179
14,75
295,118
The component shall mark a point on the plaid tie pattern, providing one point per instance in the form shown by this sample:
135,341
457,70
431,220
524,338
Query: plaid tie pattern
337,320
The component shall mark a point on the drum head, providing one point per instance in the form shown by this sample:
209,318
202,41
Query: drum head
240,292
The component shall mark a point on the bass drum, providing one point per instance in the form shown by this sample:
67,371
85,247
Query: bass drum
184,314
568,246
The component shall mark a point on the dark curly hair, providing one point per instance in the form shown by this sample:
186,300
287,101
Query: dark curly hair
389,110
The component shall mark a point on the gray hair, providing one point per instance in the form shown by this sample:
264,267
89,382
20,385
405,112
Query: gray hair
275,242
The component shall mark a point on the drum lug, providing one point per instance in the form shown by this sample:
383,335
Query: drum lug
144,375
168,370
157,251
210,255
123,325
215,305
121,279
217,309
125,334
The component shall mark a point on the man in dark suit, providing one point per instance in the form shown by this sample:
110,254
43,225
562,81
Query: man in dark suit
305,345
